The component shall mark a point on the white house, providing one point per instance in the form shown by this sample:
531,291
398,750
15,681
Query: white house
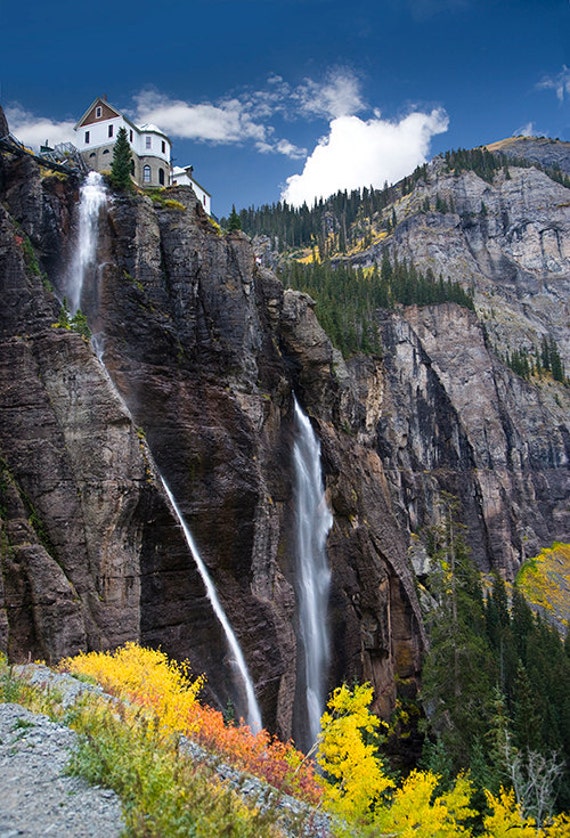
183,176
96,133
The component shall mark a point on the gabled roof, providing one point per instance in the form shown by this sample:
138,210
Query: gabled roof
112,112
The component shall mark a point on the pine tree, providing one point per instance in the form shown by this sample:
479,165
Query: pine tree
234,222
122,163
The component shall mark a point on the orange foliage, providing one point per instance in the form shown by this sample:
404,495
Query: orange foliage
146,677
280,763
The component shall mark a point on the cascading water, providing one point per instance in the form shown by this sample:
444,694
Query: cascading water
92,197
313,521
253,715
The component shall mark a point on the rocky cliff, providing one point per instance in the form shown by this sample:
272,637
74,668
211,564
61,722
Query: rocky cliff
199,351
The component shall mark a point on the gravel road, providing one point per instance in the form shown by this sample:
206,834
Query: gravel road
36,798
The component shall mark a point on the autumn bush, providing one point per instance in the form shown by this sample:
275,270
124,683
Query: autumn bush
162,792
147,678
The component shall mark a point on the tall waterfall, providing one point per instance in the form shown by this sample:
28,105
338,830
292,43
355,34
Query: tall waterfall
253,715
312,524
92,197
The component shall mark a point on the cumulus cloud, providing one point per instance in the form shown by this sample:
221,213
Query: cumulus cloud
33,131
560,83
360,153
338,95
231,120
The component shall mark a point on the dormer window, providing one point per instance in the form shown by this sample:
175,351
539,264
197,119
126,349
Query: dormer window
148,142
98,112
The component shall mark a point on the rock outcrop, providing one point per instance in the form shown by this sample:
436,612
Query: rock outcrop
202,351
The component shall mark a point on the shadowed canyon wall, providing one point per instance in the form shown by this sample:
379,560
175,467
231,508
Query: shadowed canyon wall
202,351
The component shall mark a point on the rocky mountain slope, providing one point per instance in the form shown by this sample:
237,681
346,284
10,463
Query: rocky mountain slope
203,350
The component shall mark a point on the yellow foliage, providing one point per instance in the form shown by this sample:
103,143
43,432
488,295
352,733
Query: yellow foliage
354,776
147,675
309,257
507,819
559,828
545,580
415,814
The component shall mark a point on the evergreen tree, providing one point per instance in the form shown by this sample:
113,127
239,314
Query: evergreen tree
121,167
234,222
459,671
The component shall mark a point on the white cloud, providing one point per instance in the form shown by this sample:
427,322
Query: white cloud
338,95
235,120
227,122
360,153
33,131
560,83
527,130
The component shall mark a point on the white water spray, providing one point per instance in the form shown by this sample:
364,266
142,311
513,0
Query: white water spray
313,522
253,715
92,197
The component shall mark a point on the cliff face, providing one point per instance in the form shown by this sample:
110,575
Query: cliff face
460,417
202,351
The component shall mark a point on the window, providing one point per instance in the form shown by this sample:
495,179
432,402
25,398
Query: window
161,176
92,155
130,136
148,142
87,138
146,174
106,151
110,130
163,147
98,112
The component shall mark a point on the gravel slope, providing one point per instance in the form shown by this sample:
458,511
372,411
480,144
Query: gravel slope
36,798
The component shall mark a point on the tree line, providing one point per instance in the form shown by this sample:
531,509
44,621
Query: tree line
544,360
347,298
497,680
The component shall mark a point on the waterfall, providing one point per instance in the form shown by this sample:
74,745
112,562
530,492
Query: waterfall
91,198
253,715
313,521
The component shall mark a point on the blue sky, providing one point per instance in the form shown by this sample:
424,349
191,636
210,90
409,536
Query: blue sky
293,98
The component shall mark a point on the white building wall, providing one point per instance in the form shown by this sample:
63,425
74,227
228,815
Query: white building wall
98,133
180,177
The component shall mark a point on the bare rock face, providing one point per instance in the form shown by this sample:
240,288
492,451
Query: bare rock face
202,351
464,424
72,476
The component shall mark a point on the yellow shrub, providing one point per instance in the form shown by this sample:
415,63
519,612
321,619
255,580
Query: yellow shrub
414,813
147,675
